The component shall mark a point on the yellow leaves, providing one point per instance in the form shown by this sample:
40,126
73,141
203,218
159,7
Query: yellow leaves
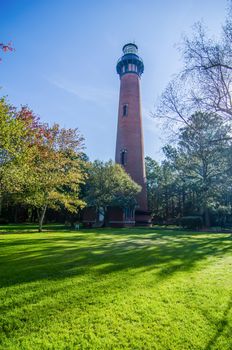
70,201
56,171
43,165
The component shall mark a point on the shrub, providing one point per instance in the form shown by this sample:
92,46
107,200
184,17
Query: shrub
191,222
171,221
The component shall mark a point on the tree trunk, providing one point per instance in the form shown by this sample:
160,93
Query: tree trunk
34,215
16,214
183,202
166,204
105,222
41,217
207,219
179,205
173,210
1,200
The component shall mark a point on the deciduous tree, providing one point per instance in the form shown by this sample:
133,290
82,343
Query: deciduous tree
13,151
109,185
205,82
6,48
56,170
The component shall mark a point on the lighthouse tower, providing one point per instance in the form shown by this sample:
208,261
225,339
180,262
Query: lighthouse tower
129,144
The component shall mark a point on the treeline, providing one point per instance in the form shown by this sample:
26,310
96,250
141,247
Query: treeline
44,169
41,166
195,178
196,109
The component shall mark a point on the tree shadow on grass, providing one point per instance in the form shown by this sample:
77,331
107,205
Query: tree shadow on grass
74,253
30,228
98,257
221,326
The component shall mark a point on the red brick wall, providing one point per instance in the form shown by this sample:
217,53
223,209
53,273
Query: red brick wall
130,133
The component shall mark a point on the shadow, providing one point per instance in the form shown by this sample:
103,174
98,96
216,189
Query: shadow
30,228
221,326
104,251
39,269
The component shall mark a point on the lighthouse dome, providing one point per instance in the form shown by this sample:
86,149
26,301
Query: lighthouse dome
130,62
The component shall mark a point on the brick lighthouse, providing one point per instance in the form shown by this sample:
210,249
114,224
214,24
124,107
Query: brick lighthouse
129,144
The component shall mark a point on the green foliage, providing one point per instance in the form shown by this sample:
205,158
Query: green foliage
191,222
201,160
196,175
163,189
13,150
202,157
40,166
109,185
115,289
56,171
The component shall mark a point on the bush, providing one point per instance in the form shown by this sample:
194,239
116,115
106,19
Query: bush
171,221
191,222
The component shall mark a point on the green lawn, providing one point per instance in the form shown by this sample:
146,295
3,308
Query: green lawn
115,289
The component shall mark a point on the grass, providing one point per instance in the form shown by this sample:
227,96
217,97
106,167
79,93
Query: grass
115,289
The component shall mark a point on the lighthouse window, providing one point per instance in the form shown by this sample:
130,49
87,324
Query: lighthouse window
124,157
124,110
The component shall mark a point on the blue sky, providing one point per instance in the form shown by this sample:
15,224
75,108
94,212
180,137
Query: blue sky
66,52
